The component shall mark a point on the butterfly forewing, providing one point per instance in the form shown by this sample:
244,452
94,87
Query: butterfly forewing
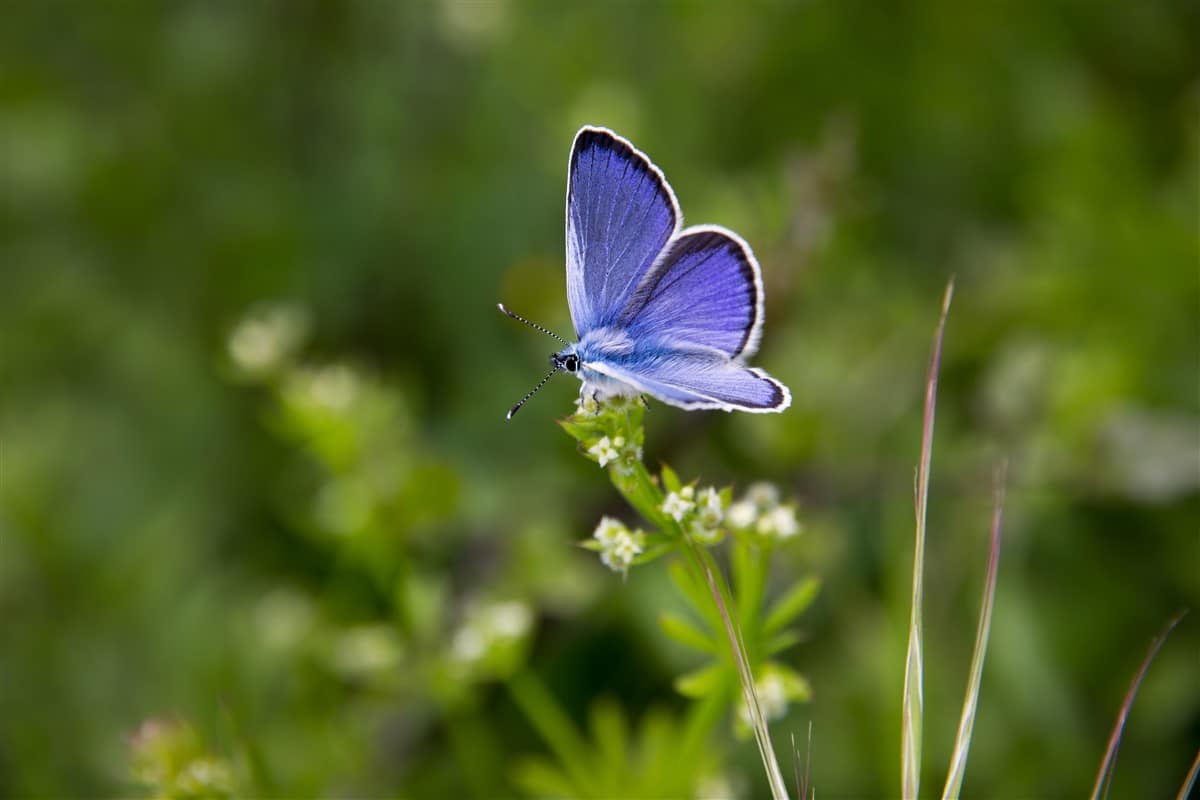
620,215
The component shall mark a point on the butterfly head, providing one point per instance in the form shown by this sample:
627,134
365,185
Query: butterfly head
566,359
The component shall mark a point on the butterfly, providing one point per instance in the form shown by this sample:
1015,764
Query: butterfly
658,309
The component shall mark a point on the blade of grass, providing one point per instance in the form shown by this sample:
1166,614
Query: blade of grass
1186,790
702,561
958,764
1104,776
913,700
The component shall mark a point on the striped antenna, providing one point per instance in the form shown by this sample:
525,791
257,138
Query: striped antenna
534,390
533,325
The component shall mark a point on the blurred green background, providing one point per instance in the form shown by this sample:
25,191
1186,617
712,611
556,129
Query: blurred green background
254,472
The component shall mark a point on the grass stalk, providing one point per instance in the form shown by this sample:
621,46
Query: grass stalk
966,725
913,699
1185,790
702,560
1104,776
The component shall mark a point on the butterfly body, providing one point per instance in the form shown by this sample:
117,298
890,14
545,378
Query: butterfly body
658,309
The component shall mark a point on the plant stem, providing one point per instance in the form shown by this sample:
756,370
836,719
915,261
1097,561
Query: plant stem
703,563
913,699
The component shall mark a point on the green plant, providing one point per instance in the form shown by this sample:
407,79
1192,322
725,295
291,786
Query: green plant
733,623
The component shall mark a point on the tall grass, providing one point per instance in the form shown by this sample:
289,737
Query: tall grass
1105,774
913,699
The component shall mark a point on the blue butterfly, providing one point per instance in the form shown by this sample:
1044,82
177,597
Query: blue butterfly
659,309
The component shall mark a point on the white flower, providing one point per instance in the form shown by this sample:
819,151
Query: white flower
780,522
705,535
489,627
606,451
607,531
469,645
618,546
742,514
710,508
263,341
677,504
621,554
509,620
764,496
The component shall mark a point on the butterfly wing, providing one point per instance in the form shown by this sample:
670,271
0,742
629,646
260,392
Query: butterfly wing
693,319
620,214
697,380
705,292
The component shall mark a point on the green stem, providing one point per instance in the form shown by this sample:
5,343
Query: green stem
703,563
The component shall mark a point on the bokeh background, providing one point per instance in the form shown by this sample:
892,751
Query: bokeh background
254,472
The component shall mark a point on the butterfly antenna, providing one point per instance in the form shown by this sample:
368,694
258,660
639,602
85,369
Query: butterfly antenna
533,325
532,391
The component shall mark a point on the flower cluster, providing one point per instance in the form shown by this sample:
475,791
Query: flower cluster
491,628
616,450
617,545
266,340
699,513
168,757
760,511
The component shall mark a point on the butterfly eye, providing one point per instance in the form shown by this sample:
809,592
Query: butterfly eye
571,362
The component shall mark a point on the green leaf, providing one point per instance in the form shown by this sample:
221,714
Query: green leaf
686,633
540,778
782,641
791,605
652,553
670,479
581,431
701,682
749,583
611,734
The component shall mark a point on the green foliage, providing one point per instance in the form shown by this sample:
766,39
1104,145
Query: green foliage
664,756
170,760
687,520
182,537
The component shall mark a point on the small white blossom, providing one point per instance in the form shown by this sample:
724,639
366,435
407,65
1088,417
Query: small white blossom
263,341
631,455
706,527
606,532
468,645
764,496
780,522
509,620
742,514
618,546
489,627
606,450
710,510
705,535
677,504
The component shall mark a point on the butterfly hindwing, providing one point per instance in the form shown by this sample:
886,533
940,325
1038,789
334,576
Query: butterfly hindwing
620,214
695,380
704,292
